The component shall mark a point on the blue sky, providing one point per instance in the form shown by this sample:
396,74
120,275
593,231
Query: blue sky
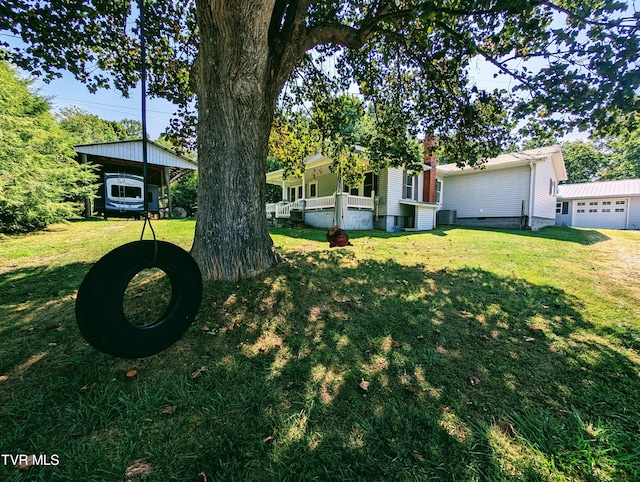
107,104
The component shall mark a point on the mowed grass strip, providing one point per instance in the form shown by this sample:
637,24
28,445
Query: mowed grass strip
457,354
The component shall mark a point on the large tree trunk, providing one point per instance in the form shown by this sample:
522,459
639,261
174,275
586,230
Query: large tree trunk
237,94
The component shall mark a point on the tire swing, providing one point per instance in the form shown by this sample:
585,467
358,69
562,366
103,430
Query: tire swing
99,307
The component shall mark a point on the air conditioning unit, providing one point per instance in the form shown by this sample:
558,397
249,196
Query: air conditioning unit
447,216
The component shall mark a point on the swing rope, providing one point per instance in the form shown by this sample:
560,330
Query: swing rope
143,88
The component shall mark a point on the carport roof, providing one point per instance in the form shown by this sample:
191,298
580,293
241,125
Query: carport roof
600,189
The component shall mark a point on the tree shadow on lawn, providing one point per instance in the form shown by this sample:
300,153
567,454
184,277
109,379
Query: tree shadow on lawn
463,368
559,233
472,376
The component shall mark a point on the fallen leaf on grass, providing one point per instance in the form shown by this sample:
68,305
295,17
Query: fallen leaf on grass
205,328
27,463
132,373
417,455
169,410
529,339
395,344
137,468
197,373
203,477
410,389
474,381
507,428
364,385
268,439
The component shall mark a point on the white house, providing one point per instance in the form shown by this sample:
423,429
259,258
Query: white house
603,204
390,200
514,190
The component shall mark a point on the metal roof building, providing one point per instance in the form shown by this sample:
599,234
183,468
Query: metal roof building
122,159
601,204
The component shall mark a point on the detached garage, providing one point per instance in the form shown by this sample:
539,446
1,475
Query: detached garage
603,204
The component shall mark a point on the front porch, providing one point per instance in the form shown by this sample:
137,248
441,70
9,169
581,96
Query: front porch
282,209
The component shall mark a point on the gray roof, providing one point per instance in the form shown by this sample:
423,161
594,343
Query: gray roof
503,161
621,188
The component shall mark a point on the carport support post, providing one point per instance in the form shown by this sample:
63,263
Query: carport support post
87,199
167,183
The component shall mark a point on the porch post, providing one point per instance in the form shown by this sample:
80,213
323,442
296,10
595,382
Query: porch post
167,182
284,191
304,188
340,206
87,199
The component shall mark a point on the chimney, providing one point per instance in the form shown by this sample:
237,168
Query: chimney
429,176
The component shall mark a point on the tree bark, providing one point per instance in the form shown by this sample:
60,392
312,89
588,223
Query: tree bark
237,93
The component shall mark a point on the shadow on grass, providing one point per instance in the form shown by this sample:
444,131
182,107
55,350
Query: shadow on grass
471,376
559,233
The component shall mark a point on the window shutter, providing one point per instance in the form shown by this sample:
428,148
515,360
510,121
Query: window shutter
404,184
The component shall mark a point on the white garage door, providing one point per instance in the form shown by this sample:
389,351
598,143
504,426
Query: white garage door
600,213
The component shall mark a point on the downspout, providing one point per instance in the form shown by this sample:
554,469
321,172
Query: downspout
532,190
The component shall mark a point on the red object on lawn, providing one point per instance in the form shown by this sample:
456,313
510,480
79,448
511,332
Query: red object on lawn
338,237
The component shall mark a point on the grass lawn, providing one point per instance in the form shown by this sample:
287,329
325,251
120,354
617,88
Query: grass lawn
486,355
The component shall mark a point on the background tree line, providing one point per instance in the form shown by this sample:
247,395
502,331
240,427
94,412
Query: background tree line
40,180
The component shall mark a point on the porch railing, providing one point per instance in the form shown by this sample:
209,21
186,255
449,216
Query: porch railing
320,202
280,210
359,202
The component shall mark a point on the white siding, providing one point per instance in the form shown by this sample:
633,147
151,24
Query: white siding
634,213
394,192
424,218
488,193
546,185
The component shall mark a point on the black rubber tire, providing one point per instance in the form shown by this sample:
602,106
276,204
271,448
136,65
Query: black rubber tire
99,309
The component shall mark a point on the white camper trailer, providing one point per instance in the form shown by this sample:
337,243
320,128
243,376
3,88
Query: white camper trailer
123,194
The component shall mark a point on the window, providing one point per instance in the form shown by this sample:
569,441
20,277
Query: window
620,202
125,191
580,210
408,188
606,203
292,194
354,191
619,210
580,204
438,190
313,189
370,184
299,192
593,210
562,208
606,210
593,203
